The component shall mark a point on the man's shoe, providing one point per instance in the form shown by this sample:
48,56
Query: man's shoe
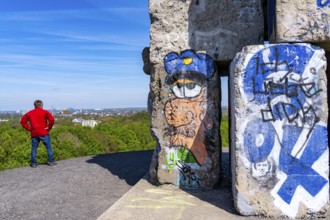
34,165
53,163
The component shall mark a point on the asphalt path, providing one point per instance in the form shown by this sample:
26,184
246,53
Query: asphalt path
81,188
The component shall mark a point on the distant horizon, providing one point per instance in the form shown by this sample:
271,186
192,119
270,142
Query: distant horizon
66,108
86,108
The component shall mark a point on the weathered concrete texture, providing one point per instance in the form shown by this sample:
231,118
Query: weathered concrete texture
327,55
219,28
280,155
300,21
185,120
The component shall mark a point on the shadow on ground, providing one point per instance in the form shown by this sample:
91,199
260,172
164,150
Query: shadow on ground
221,196
130,166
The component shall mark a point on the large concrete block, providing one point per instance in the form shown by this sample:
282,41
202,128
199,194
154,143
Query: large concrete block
300,21
219,28
185,120
280,155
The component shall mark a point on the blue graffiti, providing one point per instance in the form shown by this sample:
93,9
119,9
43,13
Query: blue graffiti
299,171
253,130
287,58
189,61
188,177
322,4
261,87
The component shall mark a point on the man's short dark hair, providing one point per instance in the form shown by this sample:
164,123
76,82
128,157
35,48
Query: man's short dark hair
38,103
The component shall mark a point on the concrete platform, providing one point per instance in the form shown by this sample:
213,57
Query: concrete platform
147,201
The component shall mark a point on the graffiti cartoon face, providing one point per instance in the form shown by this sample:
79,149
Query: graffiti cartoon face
186,113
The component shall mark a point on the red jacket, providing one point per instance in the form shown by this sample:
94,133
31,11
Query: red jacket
40,122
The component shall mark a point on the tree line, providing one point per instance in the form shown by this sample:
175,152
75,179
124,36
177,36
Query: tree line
112,134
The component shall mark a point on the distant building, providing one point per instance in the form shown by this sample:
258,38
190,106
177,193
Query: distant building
89,123
85,123
78,120
66,113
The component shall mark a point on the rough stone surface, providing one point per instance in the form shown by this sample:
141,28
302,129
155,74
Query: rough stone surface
300,21
184,100
327,54
185,120
280,155
219,28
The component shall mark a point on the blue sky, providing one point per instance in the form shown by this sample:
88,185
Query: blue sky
73,53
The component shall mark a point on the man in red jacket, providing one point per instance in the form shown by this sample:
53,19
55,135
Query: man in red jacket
39,122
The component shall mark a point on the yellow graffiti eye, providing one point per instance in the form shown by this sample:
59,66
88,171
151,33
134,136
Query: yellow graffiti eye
187,60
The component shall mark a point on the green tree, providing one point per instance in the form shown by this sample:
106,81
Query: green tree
112,134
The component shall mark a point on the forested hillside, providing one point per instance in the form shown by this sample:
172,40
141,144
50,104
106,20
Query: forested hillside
112,134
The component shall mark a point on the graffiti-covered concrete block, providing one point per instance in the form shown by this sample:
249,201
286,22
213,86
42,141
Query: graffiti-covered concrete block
220,28
280,155
185,120
300,21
